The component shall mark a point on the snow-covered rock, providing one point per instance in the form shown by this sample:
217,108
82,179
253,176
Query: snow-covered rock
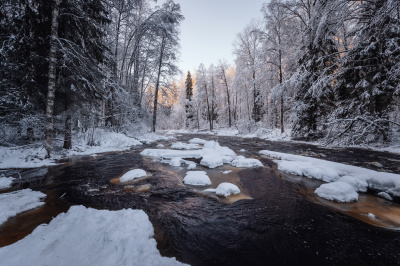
160,145
5,182
184,146
371,215
85,236
191,166
242,150
197,141
212,161
241,161
359,179
337,191
227,172
175,161
19,201
197,178
131,175
227,189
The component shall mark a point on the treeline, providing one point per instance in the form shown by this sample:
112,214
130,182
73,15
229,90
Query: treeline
100,61
324,69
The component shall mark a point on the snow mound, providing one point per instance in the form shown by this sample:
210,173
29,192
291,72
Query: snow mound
184,146
131,175
227,172
212,161
197,178
176,161
241,161
5,182
191,166
371,215
242,150
85,236
337,191
197,141
227,189
19,201
160,145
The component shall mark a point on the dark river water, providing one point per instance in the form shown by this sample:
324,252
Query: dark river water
276,220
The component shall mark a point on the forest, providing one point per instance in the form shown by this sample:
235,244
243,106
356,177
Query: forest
315,70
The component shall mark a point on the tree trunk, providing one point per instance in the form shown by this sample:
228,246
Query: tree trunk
67,127
229,100
153,128
52,80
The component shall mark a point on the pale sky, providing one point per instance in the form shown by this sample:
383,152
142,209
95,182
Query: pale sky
210,28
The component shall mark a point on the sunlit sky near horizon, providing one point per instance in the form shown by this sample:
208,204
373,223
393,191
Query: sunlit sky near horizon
210,28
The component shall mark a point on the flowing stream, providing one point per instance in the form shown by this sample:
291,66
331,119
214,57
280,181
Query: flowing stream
277,218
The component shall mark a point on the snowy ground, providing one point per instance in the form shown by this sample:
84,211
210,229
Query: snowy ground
31,156
344,181
85,236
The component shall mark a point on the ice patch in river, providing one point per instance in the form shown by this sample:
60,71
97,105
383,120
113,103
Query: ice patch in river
184,146
133,174
85,236
358,179
5,182
241,161
227,172
227,189
371,215
197,178
19,201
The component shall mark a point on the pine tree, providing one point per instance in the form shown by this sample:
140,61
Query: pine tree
188,101
370,76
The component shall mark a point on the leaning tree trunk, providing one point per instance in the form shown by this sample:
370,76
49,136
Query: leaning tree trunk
153,128
52,80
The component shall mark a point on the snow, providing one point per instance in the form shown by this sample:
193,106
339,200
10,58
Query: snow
337,191
184,146
197,141
385,195
371,215
212,161
191,166
5,182
131,175
19,201
85,236
197,178
227,172
175,161
212,154
33,155
242,150
160,146
241,161
169,154
358,179
227,189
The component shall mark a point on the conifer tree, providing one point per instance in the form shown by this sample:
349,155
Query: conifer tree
188,101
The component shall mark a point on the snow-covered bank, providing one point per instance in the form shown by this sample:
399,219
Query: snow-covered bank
85,236
31,156
19,201
344,180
